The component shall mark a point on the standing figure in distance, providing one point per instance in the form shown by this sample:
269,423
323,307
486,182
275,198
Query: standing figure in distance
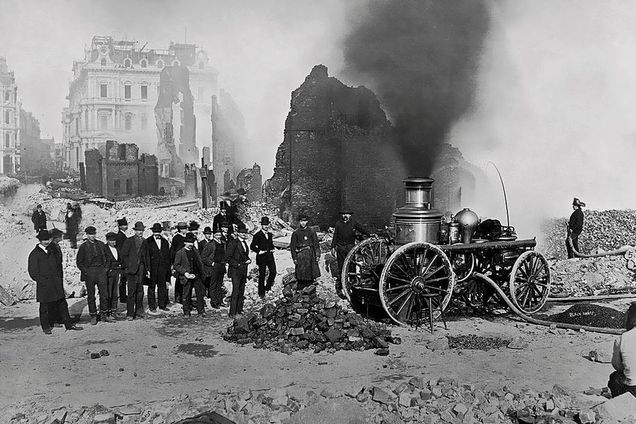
188,265
220,218
72,219
344,238
156,260
39,219
305,251
119,244
237,255
115,267
91,261
263,245
575,227
178,241
45,268
132,256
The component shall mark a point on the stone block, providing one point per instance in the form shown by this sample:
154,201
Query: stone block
383,396
105,418
618,408
333,334
587,417
336,411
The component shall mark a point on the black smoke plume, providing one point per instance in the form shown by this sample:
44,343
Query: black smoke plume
421,57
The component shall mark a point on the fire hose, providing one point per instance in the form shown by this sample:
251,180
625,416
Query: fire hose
620,251
536,321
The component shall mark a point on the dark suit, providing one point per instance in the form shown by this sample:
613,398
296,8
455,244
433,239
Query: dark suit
157,262
178,241
134,269
213,258
575,227
39,220
115,269
263,246
119,243
237,256
91,261
190,262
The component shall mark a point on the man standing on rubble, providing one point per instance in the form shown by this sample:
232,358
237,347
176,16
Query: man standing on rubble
178,241
305,251
188,265
91,261
575,227
263,245
119,244
45,268
134,268
237,255
114,265
344,238
213,258
72,219
156,260
39,219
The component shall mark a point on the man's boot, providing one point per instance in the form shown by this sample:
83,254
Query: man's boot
93,319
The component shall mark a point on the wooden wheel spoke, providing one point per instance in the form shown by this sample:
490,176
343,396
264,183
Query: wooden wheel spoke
395,277
433,280
436,289
407,300
399,296
397,288
429,265
438,269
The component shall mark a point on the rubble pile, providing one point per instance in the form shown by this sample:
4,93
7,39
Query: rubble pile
301,320
420,399
145,201
591,315
8,186
607,230
591,276
472,341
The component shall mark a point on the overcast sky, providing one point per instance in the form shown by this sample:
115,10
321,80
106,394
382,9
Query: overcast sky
556,85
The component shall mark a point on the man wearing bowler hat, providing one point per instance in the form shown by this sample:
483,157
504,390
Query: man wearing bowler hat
213,258
207,238
263,246
575,227
122,223
133,264
91,261
189,267
344,238
237,255
45,268
156,260
305,251
178,241
114,265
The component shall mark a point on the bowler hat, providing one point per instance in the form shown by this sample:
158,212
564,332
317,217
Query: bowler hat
122,222
264,220
577,202
90,230
182,225
44,235
156,228
207,230
139,226
303,217
111,236
194,226
189,238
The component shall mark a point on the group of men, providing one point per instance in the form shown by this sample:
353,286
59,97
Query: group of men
118,270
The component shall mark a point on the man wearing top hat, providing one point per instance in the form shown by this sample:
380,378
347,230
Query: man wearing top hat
575,227
45,268
193,228
344,238
134,268
188,265
263,246
114,266
213,258
305,252
121,237
220,218
156,260
91,261
178,241
237,255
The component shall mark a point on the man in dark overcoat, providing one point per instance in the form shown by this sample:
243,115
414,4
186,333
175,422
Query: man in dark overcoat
213,258
119,244
134,269
263,245
178,241
73,219
305,251
114,266
237,255
156,259
575,227
91,261
39,219
344,238
45,268
189,267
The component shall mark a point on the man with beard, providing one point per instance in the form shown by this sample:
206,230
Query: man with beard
344,238
91,261
213,258
133,264
156,259
178,241
189,267
305,251
119,244
263,246
45,268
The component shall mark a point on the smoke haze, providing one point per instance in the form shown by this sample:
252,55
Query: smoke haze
421,58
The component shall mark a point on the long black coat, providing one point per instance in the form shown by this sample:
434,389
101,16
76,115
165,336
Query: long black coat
235,253
178,241
39,220
263,242
156,260
305,251
120,239
45,268
132,257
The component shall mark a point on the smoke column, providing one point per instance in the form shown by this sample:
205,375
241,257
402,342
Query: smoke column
420,56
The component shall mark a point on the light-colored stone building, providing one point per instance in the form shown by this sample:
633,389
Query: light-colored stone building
9,121
115,89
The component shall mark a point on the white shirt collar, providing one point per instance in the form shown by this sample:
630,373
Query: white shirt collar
43,248
114,251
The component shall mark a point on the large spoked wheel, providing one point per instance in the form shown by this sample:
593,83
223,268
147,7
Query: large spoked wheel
414,274
463,265
362,267
530,282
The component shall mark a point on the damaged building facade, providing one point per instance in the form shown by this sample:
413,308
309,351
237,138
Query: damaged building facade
251,180
338,154
9,121
116,171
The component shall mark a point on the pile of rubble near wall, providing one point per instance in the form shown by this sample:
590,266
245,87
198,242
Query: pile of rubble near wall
592,277
420,399
301,320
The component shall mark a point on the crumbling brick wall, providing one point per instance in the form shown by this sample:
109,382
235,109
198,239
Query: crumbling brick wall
93,167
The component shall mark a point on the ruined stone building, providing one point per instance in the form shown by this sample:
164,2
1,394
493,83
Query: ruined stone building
115,89
251,180
338,153
37,154
228,130
9,121
115,171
